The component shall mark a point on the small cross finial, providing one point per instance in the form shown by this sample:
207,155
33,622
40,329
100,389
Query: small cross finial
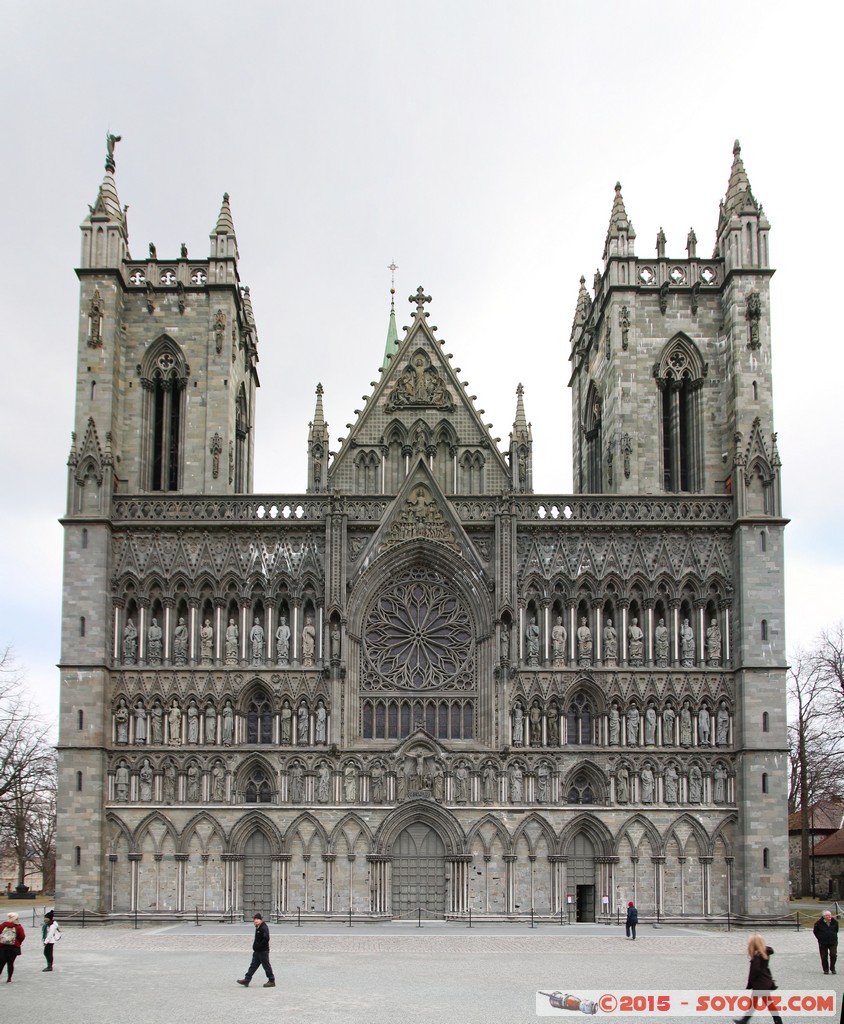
420,298
393,267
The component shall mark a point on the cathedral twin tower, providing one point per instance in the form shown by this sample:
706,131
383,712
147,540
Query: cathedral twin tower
418,684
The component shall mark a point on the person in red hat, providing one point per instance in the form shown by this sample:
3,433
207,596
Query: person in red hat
632,921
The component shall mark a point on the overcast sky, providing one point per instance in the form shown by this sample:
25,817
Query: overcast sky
477,144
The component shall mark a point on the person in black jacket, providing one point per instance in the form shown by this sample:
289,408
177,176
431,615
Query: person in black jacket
760,978
260,955
826,932
632,920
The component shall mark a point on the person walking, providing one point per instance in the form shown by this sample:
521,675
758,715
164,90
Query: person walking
260,954
632,921
50,935
11,937
826,932
760,979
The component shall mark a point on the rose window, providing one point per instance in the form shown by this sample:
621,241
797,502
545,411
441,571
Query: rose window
418,636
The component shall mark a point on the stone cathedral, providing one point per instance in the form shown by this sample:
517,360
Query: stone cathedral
417,685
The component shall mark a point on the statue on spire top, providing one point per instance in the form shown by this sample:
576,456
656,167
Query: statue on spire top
110,141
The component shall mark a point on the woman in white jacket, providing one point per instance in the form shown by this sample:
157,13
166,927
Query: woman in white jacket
50,934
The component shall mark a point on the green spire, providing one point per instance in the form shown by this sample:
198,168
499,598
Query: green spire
392,345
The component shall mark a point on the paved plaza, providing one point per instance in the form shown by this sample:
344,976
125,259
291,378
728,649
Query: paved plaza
377,974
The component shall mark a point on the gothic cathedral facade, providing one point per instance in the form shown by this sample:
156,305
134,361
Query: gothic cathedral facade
417,685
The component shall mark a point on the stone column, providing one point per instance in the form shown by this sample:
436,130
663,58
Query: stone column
328,884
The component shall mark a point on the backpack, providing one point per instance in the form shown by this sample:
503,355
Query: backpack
9,935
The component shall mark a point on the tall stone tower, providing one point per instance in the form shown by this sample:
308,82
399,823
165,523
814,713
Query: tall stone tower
672,396
165,395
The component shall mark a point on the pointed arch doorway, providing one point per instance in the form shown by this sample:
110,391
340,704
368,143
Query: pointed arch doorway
418,864
257,875
581,876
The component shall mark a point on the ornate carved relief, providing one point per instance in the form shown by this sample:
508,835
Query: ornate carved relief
420,386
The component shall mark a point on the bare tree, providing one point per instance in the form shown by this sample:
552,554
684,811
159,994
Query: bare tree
815,744
27,766
828,659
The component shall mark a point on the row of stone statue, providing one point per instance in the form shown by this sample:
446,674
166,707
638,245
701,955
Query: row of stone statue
159,726
609,653
627,787
258,655
417,777
539,727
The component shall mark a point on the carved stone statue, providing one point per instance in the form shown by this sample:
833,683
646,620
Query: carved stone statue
193,722
713,644
488,783
614,725
535,726
650,725
622,786
685,725
232,637
180,643
720,777
175,721
321,719
297,784
335,639
121,718
193,784
518,726
140,722
516,779
228,724
687,645
703,726
668,717
308,642
282,641
154,647
558,642
121,782
206,642
350,784
584,643
145,781
670,783
169,783
218,783
504,642
157,717
323,783
302,736
210,723
377,787
695,785
543,789
256,640
610,643
661,644
286,722
633,718
438,783
461,785
552,726
130,643
647,782
635,644
722,725
532,643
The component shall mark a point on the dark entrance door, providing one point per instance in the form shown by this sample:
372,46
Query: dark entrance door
418,872
257,876
585,903
581,874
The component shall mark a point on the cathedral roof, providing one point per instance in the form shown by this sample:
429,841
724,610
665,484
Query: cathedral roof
107,203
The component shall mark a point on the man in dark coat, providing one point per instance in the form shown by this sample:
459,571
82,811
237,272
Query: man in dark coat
826,932
632,921
260,955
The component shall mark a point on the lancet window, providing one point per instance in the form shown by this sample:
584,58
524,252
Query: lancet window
163,378
679,377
